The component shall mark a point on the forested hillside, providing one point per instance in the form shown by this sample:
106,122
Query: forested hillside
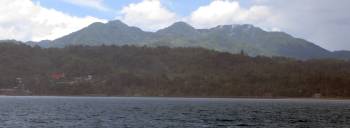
163,71
224,38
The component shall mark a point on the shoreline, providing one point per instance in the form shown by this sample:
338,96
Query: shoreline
184,97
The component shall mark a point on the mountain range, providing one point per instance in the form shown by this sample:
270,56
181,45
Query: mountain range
226,38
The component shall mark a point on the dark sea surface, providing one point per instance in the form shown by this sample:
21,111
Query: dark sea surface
143,112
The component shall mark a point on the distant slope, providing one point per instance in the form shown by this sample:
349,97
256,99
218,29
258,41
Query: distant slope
113,32
229,38
234,38
341,54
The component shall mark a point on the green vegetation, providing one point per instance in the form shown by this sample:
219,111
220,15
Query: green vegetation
225,38
164,71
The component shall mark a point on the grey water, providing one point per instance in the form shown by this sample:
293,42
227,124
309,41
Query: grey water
143,112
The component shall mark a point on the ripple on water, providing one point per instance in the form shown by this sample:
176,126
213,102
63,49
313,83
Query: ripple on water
92,112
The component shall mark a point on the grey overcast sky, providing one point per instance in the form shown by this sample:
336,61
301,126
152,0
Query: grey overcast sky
324,22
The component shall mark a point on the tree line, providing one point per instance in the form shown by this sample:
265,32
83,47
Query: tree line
164,71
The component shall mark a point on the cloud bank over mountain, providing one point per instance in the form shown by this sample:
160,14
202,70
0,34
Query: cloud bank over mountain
324,22
148,14
25,20
228,12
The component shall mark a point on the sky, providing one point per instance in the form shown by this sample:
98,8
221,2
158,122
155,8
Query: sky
323,22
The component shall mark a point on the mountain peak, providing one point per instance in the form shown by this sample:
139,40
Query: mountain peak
227,26
116,23
181,24
239,29
228,38
248,27
236,26
178,28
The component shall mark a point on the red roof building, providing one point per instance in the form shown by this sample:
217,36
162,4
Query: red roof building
57,75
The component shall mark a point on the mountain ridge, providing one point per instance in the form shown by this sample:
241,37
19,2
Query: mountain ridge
226,38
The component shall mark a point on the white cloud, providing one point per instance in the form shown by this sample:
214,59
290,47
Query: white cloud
24,20
221,12
324,22
96,4
148,15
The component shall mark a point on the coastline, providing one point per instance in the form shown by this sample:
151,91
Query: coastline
185,97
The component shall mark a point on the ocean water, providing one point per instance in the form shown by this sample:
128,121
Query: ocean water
143,112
